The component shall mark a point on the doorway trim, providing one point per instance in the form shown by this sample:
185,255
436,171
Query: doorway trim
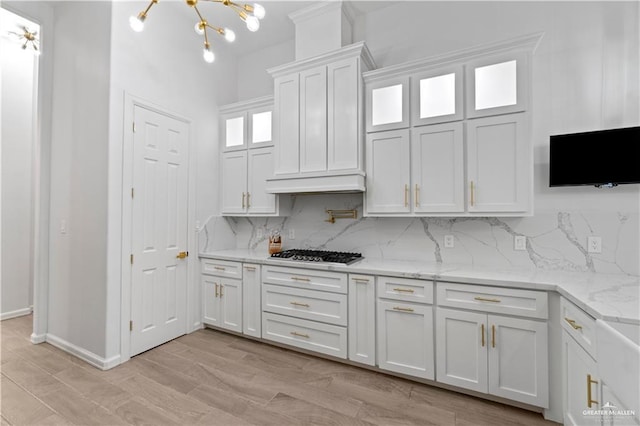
130,102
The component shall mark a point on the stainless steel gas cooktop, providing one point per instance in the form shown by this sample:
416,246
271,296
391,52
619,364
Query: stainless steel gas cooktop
320,256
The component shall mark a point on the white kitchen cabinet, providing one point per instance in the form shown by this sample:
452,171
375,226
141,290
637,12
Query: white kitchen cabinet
437,96
416,173
499,166
234,179
405,338
251,300
437,168
388,172
581,384
318,122
387,104
222,302
362,319
493,354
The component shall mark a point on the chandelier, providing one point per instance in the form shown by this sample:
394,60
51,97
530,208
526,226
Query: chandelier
28,39
249,13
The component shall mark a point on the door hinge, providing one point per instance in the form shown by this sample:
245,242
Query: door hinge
131,259
134,127
130,325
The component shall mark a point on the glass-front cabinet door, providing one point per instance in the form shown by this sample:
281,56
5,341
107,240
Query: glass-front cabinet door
436,96
497,85
387,104
234,130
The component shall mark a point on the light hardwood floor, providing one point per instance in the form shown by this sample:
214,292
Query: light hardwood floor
209,377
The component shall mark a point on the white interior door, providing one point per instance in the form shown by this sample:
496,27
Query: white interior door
159,229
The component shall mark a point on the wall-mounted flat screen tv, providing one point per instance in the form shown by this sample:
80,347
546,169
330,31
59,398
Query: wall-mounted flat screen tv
601,158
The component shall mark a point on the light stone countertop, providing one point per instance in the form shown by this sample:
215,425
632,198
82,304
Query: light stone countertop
610,297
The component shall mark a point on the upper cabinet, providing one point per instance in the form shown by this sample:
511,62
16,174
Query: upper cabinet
247,159
449,135
318,126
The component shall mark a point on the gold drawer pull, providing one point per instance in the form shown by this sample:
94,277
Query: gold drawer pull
221,290
306,305
482,326
589,396
219,268
295,333
573,324
472,194
216,284
301,279
493,336
250,268
361,280
403,290
484,299
398,308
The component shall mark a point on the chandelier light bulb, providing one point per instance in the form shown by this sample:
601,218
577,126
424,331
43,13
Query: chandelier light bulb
258,11
229,35
253,24
136,23
199,28
208,55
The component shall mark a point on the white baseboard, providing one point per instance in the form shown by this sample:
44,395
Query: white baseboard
16,313
38,338
83,354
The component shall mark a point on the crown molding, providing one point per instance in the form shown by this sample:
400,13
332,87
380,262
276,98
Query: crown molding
264,101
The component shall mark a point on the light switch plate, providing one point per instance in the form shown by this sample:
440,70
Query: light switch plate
259,233
292,234
520,242
594,244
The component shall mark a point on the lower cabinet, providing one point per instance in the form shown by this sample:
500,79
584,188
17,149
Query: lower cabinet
493,354
222,302
251,305
362,319
581,388
405,338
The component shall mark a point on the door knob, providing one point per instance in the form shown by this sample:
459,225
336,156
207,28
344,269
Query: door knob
182,254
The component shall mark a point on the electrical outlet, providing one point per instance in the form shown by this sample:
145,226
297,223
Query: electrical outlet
292,234
259,233
197,226
594,245
63,226
520,242
449,241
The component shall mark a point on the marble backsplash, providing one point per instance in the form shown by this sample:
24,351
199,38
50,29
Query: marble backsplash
555,240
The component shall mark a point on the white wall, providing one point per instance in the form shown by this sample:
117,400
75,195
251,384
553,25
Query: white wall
163,66
77,290
19,106
253,79
585,76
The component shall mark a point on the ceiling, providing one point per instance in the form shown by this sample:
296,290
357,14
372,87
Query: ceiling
275,28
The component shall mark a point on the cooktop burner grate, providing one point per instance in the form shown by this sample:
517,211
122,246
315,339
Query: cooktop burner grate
318,256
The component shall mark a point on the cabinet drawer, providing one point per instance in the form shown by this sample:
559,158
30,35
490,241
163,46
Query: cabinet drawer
310,335
305,278
306,304
524,303
409,290
579,325
221,268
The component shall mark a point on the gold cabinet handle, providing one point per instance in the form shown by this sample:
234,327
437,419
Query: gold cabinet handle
301,279
221,291
403,290
219,268
398,308
306,305
216,284
182,255
493,336
417,196
243,200
484,299
590,381
472,194
250,268
406,195
361,280
573,324
295,333
248,204
482,331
